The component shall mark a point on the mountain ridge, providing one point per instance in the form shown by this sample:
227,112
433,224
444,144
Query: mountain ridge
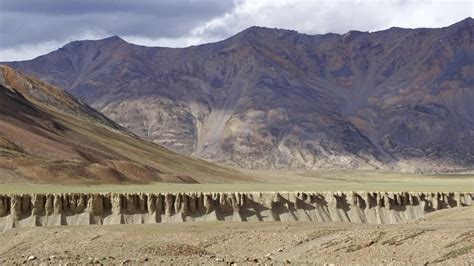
117,38
396,99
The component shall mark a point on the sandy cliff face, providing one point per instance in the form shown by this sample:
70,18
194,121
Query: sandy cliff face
112,208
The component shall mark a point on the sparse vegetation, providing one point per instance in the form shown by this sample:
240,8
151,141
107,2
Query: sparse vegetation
455,253
430,185
398,240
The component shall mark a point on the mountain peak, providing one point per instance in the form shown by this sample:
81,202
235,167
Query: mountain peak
113,39
467,22
265,30
262,33
109,41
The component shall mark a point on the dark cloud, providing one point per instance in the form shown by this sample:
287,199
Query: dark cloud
155,7
30,22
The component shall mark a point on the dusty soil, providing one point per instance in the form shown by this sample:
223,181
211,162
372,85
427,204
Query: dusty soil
445,237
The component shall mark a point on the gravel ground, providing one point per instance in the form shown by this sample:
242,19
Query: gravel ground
445,237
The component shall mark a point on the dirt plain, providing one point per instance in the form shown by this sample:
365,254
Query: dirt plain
444,237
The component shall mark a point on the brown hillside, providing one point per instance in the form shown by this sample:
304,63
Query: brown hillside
48,136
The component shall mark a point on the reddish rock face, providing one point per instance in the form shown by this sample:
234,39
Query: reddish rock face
265,98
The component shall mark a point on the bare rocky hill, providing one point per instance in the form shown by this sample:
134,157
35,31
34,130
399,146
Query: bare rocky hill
47,136
398,99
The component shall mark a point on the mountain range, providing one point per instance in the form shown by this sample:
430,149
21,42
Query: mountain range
397,99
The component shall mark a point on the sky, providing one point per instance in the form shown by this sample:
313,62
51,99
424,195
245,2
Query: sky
29,28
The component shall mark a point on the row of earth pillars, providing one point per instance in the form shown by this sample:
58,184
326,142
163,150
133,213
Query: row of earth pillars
129,208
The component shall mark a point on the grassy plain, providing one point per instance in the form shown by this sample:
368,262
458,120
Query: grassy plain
280,181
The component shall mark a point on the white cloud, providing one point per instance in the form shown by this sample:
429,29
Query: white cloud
30,51
25,52
169,42
322,16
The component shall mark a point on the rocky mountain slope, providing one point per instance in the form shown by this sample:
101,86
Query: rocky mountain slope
48,136
398,99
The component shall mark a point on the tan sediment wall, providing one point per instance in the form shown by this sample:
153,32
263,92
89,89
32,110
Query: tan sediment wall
137,208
